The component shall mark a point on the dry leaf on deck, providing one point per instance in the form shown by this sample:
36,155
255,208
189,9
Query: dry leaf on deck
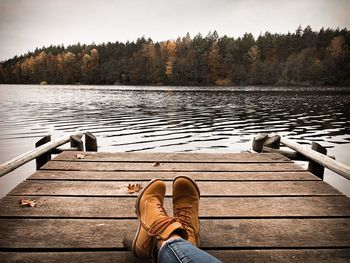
156,164
133,188
28,202
80,156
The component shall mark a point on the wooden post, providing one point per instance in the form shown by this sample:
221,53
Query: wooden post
45,157
76,142
324,160
258,142
314,167
273,142
90,142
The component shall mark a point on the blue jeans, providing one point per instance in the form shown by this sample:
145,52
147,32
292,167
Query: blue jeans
181,251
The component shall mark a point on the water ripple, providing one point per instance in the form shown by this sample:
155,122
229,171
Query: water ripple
175,119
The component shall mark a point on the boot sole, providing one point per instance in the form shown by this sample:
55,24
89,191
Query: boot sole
138,216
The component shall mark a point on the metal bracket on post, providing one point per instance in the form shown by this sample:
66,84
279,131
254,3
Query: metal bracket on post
44,158
76,142
314,167
90,142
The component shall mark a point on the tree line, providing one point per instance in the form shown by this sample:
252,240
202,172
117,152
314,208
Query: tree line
305,57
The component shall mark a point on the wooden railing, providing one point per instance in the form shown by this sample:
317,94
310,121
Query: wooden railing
316,155
45,147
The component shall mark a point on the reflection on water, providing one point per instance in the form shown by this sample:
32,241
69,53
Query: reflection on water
167,119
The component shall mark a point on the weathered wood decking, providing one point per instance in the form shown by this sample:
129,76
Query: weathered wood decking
254,208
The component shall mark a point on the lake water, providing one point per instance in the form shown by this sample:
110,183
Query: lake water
173,119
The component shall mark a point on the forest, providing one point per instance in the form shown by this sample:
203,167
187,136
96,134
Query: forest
304,57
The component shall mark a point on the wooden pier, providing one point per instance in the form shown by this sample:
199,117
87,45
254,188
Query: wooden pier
253,208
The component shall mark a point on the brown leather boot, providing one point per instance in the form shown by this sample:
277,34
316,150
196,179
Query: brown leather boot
186,204
154,223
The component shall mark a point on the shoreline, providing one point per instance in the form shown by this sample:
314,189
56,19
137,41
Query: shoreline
189,86
162,85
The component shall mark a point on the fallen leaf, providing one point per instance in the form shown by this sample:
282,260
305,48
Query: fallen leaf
28,202
80,156
156,164
133,188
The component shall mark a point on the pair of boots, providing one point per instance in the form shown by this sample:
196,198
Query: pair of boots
156,226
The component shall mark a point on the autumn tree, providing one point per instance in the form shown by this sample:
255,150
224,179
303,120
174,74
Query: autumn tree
94,57
170,53
255,70
337,48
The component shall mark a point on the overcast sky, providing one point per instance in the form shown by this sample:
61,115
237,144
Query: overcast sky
27,24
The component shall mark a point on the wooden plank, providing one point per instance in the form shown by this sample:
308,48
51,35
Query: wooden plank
228,233
172,157
146,176
170,167
230,256
284,255
119,207
76,257
119,188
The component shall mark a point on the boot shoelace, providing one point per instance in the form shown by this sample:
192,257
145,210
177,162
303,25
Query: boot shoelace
161,210
159,225
184,214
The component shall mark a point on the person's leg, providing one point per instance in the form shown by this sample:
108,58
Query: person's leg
179,250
